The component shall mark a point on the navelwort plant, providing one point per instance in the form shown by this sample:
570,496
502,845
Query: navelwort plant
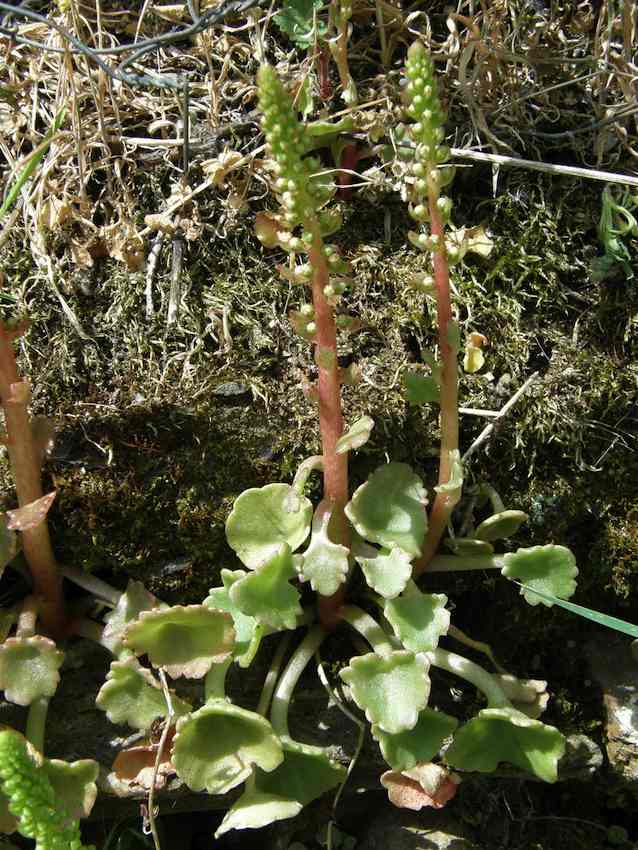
383,530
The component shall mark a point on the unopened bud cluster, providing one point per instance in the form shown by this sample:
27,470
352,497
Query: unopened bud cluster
287,144
427,133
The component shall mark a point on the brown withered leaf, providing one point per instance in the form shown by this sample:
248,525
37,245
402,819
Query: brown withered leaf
31,515
219,167
424,785
133,768
54,212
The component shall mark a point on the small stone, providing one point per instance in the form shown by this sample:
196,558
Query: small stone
231,389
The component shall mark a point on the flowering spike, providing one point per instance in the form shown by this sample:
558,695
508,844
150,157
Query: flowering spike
287,143
424,108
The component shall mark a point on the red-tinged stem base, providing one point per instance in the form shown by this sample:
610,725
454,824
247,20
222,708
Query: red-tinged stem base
335,466
36,543
444,502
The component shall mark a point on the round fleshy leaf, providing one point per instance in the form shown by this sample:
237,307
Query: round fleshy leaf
74,785
498,735
267,595
503,524
216,747
417,745
305,773
132,695
133,769
418,619
29,668
131,603
387,573
186,640
467,547
389,508
550,569
392,690
324,563
262,520
248,632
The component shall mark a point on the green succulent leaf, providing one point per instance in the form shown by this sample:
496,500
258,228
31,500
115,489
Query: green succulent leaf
455,482
29,668
255,809
74,784
267,595
391,689
356,436
467,547
387,573
186,640
418,619
498,735
297,20
389,508
503,524
263,518
324,563
421,389
216,747
306,773
418,745
248,632
132,695
131,603
550,569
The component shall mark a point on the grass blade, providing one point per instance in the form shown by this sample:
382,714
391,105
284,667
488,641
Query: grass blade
595,616
32,163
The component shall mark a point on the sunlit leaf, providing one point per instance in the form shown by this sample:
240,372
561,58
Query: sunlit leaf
389,508
550,569
392,689
262,519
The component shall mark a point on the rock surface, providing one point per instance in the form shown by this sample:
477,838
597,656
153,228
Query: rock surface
396,829
616,671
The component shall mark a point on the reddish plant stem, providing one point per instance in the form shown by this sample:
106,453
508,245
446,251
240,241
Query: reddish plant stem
335,466
445,501
26,474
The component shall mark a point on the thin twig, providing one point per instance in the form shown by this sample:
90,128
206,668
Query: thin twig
158,758
486,432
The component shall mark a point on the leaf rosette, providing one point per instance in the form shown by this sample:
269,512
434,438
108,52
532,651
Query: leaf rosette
186,640
389,509
387,572
216,747
551,569
262,519
500,525
29,668
135,599
266,593
498,735
391,689
248,631
305,773
132,695
417,745
418,619
324,563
